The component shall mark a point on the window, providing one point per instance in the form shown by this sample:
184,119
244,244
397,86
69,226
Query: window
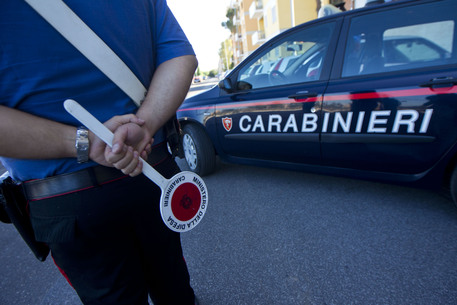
400,40
296,58
273,14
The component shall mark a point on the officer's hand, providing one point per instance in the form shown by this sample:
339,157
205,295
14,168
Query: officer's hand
98,147
134,135
130,141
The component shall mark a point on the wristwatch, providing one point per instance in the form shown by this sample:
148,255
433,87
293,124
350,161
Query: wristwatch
82,144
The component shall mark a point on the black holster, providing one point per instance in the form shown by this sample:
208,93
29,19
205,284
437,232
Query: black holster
174,137
13,209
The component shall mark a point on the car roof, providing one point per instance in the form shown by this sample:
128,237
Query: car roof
356,11
375,7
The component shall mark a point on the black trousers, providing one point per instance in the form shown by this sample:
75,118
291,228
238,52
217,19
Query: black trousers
111,244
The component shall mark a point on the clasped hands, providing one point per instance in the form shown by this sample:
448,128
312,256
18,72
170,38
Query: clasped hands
132,140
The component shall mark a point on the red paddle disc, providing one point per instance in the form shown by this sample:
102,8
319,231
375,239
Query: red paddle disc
186,201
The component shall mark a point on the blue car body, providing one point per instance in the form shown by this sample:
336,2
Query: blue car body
396,122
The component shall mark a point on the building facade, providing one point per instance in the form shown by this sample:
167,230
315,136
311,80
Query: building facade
256,21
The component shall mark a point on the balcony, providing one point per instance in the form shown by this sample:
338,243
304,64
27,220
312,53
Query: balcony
258,38
237,19
256,9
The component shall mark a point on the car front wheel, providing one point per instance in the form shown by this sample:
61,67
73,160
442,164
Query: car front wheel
198,150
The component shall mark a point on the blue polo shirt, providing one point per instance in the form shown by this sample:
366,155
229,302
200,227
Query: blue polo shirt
39,69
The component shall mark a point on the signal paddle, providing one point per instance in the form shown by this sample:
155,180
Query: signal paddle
184,197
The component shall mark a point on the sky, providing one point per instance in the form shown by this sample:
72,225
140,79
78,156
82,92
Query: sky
201,21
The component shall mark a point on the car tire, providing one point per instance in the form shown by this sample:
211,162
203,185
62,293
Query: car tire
198,150
453,185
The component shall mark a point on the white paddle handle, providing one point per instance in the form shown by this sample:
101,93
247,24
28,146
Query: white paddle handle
107,136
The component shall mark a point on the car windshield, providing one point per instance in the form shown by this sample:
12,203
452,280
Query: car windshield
295,59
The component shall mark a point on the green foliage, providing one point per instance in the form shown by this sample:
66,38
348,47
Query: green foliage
229,23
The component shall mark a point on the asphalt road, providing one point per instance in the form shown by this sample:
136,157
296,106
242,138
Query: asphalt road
197,88
285,238
280,237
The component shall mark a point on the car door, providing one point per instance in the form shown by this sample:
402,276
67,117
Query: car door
268,110
391,103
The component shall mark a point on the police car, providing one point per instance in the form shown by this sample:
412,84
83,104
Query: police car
369,93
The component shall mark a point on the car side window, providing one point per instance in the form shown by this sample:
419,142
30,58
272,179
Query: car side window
296,58
398,40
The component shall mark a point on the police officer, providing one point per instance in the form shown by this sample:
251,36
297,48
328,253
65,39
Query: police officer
87,201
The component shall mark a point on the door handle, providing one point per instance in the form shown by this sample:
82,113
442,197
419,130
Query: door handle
303,95
440,82
239,96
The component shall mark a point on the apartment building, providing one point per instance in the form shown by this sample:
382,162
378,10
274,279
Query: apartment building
256,21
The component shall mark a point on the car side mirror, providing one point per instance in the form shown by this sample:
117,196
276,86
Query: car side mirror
226,85
242,85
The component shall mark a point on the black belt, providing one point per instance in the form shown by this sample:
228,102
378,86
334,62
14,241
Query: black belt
83,179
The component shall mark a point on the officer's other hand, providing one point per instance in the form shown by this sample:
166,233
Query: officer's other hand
123,157
134,135
131,140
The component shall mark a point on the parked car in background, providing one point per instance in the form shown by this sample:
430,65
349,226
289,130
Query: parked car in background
369,93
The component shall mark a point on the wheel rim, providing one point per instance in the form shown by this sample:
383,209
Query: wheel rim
190,152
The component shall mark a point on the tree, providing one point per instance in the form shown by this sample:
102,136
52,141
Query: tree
226,53
229,23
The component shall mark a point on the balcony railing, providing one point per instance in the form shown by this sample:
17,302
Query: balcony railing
256,9
258,38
